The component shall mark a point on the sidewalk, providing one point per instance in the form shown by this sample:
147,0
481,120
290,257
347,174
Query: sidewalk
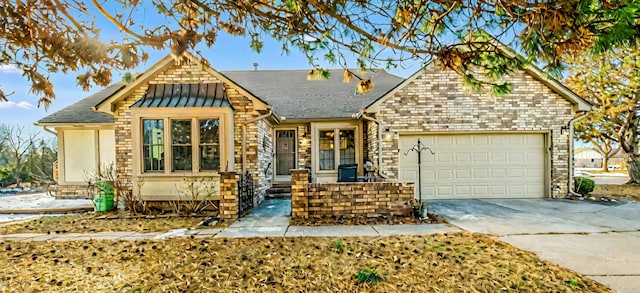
240,232
267,220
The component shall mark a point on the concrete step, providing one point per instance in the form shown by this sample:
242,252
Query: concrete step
279,190
278,196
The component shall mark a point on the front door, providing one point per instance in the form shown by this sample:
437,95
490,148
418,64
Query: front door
285,154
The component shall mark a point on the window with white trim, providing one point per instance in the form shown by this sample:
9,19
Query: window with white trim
190,145
336,147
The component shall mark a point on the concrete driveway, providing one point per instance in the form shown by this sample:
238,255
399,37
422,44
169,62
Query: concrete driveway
599,240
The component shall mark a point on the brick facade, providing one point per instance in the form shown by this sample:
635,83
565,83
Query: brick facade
265,159
188,71
436,102
73,191
228,196
304,147
317,200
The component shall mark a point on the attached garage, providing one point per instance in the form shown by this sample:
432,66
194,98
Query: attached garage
484,165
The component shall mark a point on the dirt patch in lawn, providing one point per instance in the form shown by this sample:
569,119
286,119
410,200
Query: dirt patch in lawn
624,191
90,222
332,221
459,262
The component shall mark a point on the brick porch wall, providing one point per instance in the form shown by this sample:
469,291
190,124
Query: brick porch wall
318,200
73,191
437,102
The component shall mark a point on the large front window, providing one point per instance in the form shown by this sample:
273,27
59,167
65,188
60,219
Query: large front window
192,145
336,145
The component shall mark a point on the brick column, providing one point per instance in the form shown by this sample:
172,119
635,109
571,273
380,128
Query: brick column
299,198
228,196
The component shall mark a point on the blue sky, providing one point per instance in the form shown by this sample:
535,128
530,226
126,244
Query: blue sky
229,53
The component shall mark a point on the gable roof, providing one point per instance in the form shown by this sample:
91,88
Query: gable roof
80,112
535,72
294,97
106,106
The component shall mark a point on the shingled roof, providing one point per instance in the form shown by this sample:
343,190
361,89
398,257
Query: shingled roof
81,112
288,92
293,96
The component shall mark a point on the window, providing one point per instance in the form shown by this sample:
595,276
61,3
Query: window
347,147
327,153
345,153
181,145
209,144
192,145
153,145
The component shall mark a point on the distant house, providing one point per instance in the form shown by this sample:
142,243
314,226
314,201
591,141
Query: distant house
587,158
590,158
182,118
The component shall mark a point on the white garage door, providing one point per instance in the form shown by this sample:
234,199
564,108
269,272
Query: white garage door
476,166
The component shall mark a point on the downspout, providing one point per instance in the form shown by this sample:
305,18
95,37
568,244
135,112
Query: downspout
244,137
571,133
364,115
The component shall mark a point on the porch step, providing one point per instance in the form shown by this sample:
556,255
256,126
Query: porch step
279,190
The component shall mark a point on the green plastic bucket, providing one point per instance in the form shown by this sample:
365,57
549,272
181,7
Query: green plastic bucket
103,202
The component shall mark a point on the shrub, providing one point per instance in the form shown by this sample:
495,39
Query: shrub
368,275
584,185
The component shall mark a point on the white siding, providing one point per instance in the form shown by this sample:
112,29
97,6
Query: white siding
79,154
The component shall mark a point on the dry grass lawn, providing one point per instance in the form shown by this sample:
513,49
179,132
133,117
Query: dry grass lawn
459,262
620,192
89,222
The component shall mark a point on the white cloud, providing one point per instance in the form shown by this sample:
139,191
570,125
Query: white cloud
19,105
8,69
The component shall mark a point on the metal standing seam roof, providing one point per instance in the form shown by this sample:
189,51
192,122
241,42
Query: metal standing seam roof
178,95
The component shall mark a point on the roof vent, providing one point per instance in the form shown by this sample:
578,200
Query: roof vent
255,66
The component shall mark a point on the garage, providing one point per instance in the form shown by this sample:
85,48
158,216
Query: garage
486,165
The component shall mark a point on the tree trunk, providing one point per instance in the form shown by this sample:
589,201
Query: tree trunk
16,173
634,170
605,163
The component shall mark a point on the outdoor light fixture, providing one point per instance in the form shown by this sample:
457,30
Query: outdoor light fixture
564,128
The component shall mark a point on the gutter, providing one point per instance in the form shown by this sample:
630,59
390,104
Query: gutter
571,133
45,127
244,137
50,130
364,115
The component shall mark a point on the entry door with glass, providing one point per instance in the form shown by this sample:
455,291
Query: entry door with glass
285,154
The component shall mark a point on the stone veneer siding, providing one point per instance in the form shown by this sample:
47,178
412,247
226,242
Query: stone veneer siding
319,200
437,102
186,71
